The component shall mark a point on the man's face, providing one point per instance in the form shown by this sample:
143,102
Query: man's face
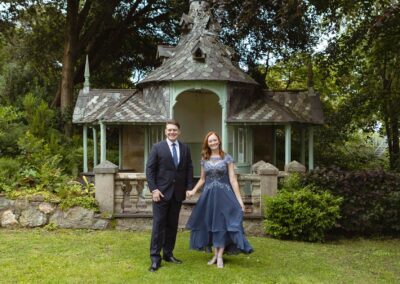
172,132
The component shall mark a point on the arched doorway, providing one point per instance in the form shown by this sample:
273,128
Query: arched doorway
198,113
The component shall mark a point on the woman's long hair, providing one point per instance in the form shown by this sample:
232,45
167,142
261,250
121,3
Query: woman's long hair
206,151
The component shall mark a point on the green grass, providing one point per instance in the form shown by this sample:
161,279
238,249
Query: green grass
79,256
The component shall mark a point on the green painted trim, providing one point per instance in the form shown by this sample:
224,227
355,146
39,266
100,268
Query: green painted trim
146,146
288,143
85,151
217,87
120,148
94,146
235,144
303,147
310,148
250,146
103,142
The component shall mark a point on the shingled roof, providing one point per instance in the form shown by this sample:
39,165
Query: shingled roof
114,106
282,107
199,54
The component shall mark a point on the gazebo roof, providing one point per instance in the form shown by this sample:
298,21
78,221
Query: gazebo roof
114,106
282,107
199,54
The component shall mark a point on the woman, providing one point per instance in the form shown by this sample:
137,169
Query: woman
217,218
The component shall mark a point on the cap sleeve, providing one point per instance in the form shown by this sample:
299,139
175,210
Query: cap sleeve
229,159
202,163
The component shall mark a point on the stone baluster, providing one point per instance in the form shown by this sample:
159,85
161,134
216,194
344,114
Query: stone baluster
256,196
148,198
128,204
141,202
119,196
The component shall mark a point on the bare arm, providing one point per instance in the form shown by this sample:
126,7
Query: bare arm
235,184
198,185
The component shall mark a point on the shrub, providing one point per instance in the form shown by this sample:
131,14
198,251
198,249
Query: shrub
371,199
300,213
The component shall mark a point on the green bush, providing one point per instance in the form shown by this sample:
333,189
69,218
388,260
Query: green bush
371,199
300,213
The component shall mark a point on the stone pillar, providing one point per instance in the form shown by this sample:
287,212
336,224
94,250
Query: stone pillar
104,184
295,167
268,177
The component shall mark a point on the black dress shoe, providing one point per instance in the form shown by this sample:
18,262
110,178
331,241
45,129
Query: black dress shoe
154,266
172,259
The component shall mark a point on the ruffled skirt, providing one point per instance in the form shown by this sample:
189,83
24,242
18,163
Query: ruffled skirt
216,221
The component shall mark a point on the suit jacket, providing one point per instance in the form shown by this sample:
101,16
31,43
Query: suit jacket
162,174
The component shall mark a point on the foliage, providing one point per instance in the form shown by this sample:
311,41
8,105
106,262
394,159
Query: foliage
300,213
40,159
78,195
358,152
51,226
370,198
364,57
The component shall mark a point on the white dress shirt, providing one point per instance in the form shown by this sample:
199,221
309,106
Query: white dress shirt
176,147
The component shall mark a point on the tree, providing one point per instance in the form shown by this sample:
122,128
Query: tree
367,51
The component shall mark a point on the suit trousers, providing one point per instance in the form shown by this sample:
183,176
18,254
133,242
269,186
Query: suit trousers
165,227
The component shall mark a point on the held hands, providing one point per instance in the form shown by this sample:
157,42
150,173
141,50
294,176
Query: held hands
190,193
241,205
157,195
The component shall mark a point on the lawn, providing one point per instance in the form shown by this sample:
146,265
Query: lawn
80,256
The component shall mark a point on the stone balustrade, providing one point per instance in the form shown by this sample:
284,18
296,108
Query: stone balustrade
126,194
126,197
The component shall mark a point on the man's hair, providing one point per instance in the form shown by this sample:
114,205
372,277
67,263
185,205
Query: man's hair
174,122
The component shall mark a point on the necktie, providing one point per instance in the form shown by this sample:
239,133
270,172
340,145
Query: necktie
174,154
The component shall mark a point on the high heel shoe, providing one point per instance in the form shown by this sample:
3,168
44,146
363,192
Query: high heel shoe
220,262
213,260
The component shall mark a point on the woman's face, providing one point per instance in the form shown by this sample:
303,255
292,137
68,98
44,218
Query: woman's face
213,142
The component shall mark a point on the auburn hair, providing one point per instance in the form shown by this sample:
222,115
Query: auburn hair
206,151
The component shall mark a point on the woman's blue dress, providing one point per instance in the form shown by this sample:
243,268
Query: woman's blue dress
217,218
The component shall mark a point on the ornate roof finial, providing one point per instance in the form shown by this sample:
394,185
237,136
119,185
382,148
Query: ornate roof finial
86,84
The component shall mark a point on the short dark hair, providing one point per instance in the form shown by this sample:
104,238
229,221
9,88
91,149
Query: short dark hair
174,122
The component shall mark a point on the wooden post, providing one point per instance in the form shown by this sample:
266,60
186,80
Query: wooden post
85,153
288,145
311,148
103,142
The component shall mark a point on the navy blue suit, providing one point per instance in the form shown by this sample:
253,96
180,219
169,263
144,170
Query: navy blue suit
173,182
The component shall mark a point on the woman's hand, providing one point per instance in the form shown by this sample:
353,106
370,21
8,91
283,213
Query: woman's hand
242,205
190,193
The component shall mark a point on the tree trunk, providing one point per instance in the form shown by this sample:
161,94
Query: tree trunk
69,59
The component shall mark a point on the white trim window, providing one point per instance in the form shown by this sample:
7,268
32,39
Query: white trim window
241,142
156,134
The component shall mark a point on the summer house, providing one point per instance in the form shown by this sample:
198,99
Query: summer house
199,85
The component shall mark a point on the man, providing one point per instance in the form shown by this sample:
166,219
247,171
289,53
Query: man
169,173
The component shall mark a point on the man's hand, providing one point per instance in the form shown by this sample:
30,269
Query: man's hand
190,193
157,195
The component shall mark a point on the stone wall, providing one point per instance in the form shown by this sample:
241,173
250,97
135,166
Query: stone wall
23,213
36,212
